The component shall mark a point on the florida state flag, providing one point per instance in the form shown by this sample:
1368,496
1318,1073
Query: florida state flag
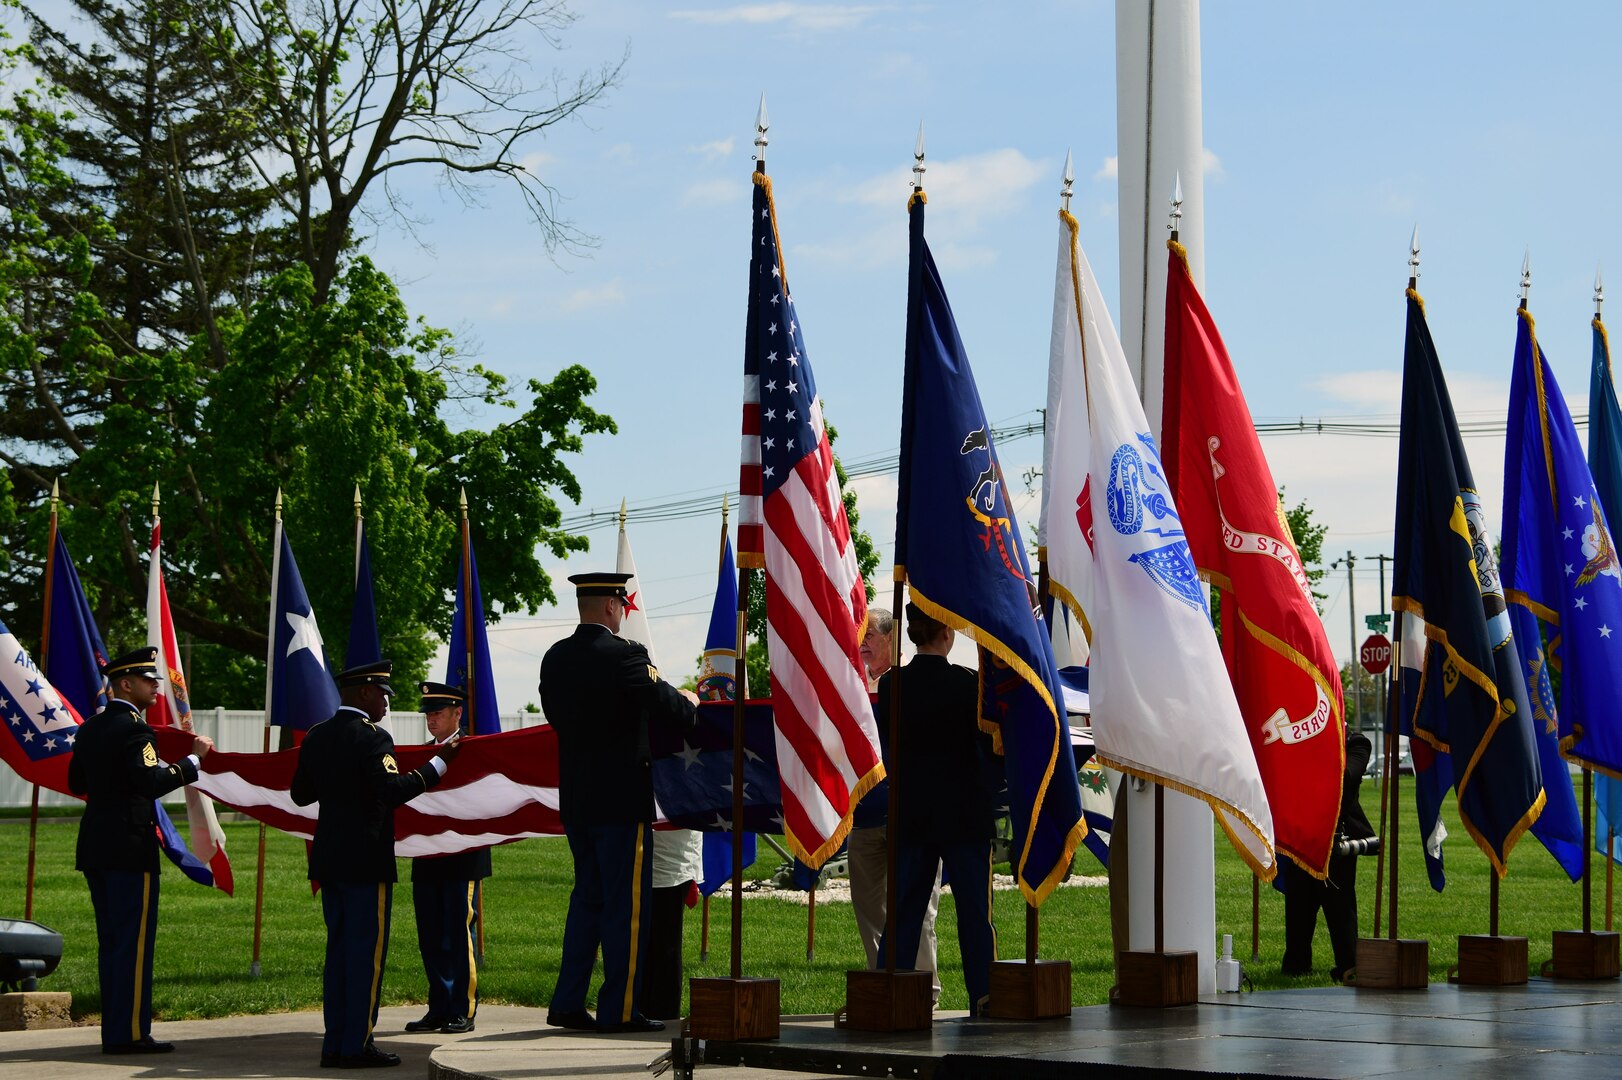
1273,641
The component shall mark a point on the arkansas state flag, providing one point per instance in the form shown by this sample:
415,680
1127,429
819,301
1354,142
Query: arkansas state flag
1273,641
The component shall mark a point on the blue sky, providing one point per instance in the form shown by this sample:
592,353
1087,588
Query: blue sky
1331,131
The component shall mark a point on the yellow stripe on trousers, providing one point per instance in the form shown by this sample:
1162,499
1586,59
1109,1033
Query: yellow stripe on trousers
472,961
140,957
636,923
377,960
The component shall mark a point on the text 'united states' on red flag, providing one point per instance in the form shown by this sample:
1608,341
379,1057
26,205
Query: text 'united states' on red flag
792,523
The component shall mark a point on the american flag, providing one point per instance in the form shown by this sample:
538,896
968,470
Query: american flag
793,524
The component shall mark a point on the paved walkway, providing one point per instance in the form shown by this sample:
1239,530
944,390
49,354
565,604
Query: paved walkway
510,1041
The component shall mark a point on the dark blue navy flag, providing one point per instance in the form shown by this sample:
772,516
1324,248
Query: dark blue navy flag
1462,689
300,688
73,649
1558,572
365,646
692,770
1605,461
469,643
968,569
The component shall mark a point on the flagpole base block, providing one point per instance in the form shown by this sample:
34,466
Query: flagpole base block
35,1010
1157,980
1585,954
888,1000
1391,964
735,1010
1489,960
1022,990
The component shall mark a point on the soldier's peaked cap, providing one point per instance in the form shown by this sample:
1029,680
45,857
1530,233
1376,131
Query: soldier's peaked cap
438,695
599,584
375,673
142,661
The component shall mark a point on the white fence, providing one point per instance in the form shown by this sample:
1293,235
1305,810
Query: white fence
244,733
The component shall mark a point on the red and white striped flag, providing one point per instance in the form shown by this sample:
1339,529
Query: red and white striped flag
173,709
792,523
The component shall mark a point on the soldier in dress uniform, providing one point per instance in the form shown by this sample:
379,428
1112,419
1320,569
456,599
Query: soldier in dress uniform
945,779
445,893
601,692
115,766
347,764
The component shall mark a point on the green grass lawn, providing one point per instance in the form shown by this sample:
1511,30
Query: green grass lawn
205,939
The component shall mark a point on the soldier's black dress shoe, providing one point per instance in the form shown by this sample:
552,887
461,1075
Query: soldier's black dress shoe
429,1022
458,1025
145,1045
635,1023
579,1020
369,1058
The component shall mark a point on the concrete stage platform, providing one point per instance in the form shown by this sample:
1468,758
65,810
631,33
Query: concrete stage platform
1545,1029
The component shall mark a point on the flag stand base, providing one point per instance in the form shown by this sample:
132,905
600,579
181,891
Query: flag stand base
1584,954
1023,990
1157,980
734,1010
1489,960
888,1000
1391,964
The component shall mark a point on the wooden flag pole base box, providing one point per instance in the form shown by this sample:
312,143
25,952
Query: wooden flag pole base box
1585,954
1158,980
1021,990
1490,960
889,1000
735,1010
1392,964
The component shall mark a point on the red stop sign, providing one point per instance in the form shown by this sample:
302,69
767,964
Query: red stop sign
1375,654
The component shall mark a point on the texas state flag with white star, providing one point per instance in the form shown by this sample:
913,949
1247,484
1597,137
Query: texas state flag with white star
39,725
302,693
1560,561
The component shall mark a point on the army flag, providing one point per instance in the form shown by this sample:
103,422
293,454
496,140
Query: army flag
173,708
73,649
470,647
299,689
958,545
1162,706
792,522
1462,690
1282,669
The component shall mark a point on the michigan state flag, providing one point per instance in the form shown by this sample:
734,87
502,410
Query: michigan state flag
1464,699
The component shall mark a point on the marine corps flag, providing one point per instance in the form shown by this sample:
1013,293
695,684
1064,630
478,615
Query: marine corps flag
958,544
1462,691
1284,674
1560,569
1162,706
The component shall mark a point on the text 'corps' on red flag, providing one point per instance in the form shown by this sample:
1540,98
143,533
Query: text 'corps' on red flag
1273,640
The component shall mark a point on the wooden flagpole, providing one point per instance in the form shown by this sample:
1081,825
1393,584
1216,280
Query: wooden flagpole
44,653
254,968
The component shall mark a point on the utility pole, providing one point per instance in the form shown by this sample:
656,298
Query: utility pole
1351,617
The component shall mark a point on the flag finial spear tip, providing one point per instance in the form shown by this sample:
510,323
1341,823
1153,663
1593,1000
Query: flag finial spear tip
56,489
278,504
725,506
1176,205
462,499
622,511
762,123
1599,290
1069,178
1413,254
918,159
1526,276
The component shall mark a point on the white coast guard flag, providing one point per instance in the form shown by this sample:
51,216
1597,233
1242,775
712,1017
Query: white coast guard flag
635,624
1163,707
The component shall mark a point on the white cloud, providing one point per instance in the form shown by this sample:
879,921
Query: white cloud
620,152
1364,389
1210,163
535,164
721,192
1110,170
794,16
715,150
884,245
973,186
609,294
